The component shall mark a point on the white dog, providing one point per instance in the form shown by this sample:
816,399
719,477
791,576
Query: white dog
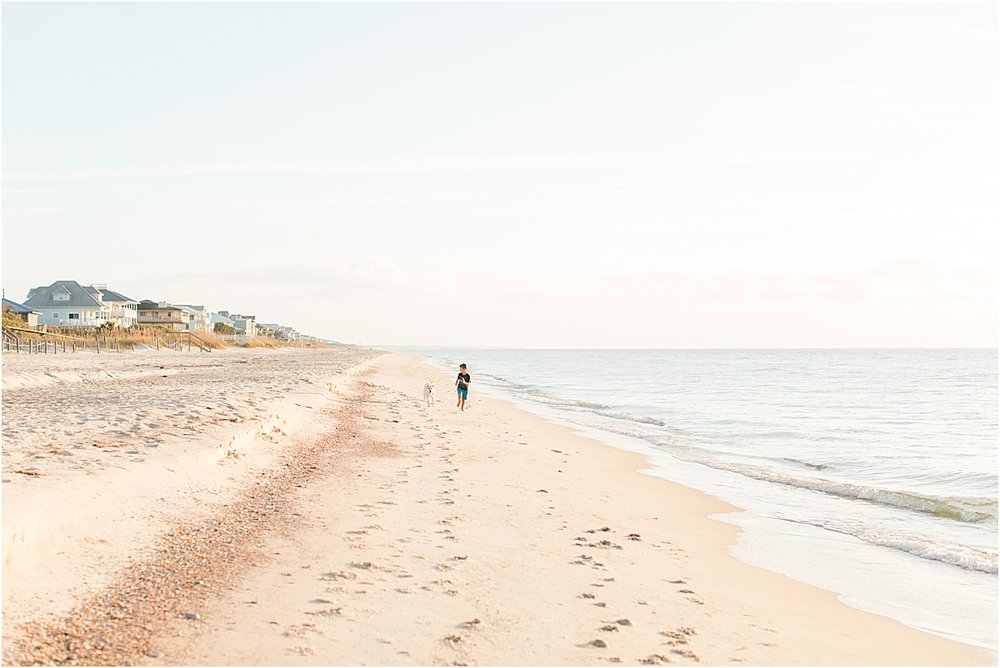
429,393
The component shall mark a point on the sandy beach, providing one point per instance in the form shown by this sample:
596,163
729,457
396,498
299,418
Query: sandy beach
305,507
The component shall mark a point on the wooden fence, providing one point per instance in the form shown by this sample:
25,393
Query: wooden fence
32,341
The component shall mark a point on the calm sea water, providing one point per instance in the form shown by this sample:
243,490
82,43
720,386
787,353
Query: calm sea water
871,473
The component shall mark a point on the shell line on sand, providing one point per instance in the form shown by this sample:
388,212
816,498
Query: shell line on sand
192,561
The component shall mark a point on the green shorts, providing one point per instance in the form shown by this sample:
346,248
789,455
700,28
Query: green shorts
463,392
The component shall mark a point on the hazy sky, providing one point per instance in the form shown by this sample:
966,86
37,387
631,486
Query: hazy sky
513,174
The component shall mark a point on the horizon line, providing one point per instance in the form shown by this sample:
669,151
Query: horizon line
481,347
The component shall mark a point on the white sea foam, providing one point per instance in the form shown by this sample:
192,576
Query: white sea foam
972,509
963,556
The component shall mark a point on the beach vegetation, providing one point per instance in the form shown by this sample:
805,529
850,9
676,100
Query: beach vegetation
11,320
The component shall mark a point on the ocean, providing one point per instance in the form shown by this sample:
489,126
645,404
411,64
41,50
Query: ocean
870,473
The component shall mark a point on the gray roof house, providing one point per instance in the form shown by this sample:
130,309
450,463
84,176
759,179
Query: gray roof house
200,318
66,304
69,304
111,295
244,324
218,318
124,310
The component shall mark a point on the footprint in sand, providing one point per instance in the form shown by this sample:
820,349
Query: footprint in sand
686,653
679,636
363,565
303,630
326,612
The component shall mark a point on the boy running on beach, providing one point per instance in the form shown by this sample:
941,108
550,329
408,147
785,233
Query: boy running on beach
462,384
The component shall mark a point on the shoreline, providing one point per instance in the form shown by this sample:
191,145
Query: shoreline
395,534
497,537
859,575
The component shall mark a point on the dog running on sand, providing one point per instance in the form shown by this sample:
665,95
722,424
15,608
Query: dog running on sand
429,393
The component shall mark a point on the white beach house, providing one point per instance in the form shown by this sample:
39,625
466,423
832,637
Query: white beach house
199,318
121,309
69,304
245,325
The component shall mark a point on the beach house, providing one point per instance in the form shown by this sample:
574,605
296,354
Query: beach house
245,325
279,331
69,304
121,309
26,315
222,324
199,317
162,314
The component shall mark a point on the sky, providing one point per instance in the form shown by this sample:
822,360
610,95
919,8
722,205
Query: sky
787,174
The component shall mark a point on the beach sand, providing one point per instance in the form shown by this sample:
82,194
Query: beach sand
355,525
103,452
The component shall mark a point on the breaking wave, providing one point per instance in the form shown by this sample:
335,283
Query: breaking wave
963,556
968,509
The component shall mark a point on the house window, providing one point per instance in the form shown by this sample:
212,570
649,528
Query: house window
74,316
55,315
60,297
